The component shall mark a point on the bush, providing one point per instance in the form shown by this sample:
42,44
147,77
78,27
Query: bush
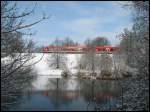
106,73
65,74
79,75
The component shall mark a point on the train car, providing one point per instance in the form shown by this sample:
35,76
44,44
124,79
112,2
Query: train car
109,49
97,49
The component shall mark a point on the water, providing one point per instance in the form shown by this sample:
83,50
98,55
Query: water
70,94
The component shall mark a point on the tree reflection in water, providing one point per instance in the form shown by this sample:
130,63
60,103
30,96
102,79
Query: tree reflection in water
73,94
99,92
15,95
95,92
59,94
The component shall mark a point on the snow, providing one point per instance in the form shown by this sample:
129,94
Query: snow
42,67
72,62
40,83
44,72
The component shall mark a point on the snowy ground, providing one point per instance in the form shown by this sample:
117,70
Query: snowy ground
44,72
42,67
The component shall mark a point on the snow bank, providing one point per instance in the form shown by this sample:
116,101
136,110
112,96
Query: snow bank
42,67
44,72
72,60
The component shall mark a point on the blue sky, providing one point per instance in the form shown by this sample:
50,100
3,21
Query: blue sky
77,20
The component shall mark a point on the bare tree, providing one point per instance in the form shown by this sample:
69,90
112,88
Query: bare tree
16,51
106,64
88,60
92,61
100,41
57,59
68,42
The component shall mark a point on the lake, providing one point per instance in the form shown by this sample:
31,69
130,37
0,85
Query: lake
70,94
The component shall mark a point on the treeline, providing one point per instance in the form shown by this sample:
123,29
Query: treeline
70,42
135,52
98,41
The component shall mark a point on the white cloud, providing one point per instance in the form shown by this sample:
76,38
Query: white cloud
84,28
81,25
117,9
90,22
93,20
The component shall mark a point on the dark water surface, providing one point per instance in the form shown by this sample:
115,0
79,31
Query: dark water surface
71,94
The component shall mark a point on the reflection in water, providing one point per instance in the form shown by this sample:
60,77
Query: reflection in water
72,94
14,92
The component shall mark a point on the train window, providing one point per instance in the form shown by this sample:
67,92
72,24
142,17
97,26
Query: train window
108,49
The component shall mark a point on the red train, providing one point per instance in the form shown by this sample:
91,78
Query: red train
78,48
